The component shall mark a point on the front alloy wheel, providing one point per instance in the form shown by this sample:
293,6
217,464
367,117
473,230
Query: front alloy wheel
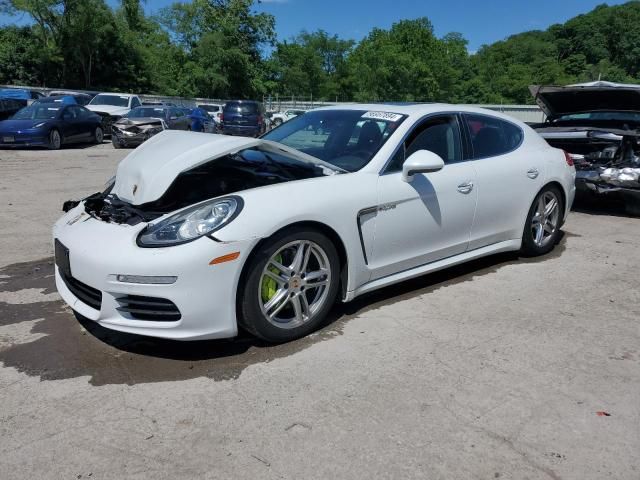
98,135
291,294
55,141
291,284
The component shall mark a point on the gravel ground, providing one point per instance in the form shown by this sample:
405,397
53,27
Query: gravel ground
503,368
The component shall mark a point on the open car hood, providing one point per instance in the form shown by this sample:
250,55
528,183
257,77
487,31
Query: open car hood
108,109
586,97
126,122
147,172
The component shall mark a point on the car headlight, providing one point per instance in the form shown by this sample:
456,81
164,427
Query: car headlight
191,223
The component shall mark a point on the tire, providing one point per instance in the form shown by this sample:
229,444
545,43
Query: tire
535,243
292,292
55,140
115,143
277,122
98,136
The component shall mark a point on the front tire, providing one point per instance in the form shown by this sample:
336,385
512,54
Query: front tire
55,140
98,136
115,143
290,285
542,228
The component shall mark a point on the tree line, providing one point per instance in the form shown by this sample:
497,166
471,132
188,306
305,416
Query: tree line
225,49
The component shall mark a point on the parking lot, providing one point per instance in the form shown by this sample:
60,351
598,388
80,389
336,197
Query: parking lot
501,368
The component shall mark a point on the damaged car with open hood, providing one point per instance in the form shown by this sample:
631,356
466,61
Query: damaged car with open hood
200,235
598,123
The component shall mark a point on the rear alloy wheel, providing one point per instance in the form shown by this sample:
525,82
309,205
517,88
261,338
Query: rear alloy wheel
55,141
542,230
98,135
291,285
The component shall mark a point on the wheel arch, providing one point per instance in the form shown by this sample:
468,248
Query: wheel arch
563,193
313,225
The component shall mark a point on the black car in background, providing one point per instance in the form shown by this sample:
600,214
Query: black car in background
243,117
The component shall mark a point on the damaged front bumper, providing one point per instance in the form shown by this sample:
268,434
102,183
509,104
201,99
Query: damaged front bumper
171,292
133,135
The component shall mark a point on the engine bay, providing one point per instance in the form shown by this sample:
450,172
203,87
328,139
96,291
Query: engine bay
244,170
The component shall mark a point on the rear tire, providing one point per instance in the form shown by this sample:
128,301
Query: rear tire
55,140
542,228
282,303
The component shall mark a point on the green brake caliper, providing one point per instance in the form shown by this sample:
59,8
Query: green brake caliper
269,286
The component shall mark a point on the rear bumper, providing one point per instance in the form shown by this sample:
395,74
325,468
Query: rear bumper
246,131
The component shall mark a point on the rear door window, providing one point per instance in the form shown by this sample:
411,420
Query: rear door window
491,137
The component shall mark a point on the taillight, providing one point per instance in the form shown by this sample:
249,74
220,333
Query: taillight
220,116
568,158
259,119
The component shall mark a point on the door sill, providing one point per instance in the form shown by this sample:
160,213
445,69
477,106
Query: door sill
506,246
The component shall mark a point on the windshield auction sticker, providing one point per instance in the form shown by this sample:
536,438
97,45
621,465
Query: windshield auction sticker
388,116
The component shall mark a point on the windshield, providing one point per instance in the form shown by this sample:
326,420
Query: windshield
345,138
38,111
601,115
114,100
144,112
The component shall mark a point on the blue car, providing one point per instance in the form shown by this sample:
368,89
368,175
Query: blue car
51,125
201,121
64,99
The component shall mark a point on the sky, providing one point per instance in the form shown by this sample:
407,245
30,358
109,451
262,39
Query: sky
480,22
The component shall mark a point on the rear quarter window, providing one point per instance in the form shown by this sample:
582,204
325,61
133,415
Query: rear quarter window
491,136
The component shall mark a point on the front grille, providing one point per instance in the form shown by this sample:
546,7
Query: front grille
84,293
149,308
107,121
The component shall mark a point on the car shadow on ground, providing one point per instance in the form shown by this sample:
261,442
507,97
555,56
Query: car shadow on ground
339,315
64,347
608,205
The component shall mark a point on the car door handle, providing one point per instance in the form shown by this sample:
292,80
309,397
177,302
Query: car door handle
533,173
465,187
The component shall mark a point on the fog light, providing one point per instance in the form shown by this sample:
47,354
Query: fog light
146,280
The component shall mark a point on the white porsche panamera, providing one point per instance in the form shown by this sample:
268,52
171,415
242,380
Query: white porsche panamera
200,234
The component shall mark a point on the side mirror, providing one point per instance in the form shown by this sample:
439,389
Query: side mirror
422,161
